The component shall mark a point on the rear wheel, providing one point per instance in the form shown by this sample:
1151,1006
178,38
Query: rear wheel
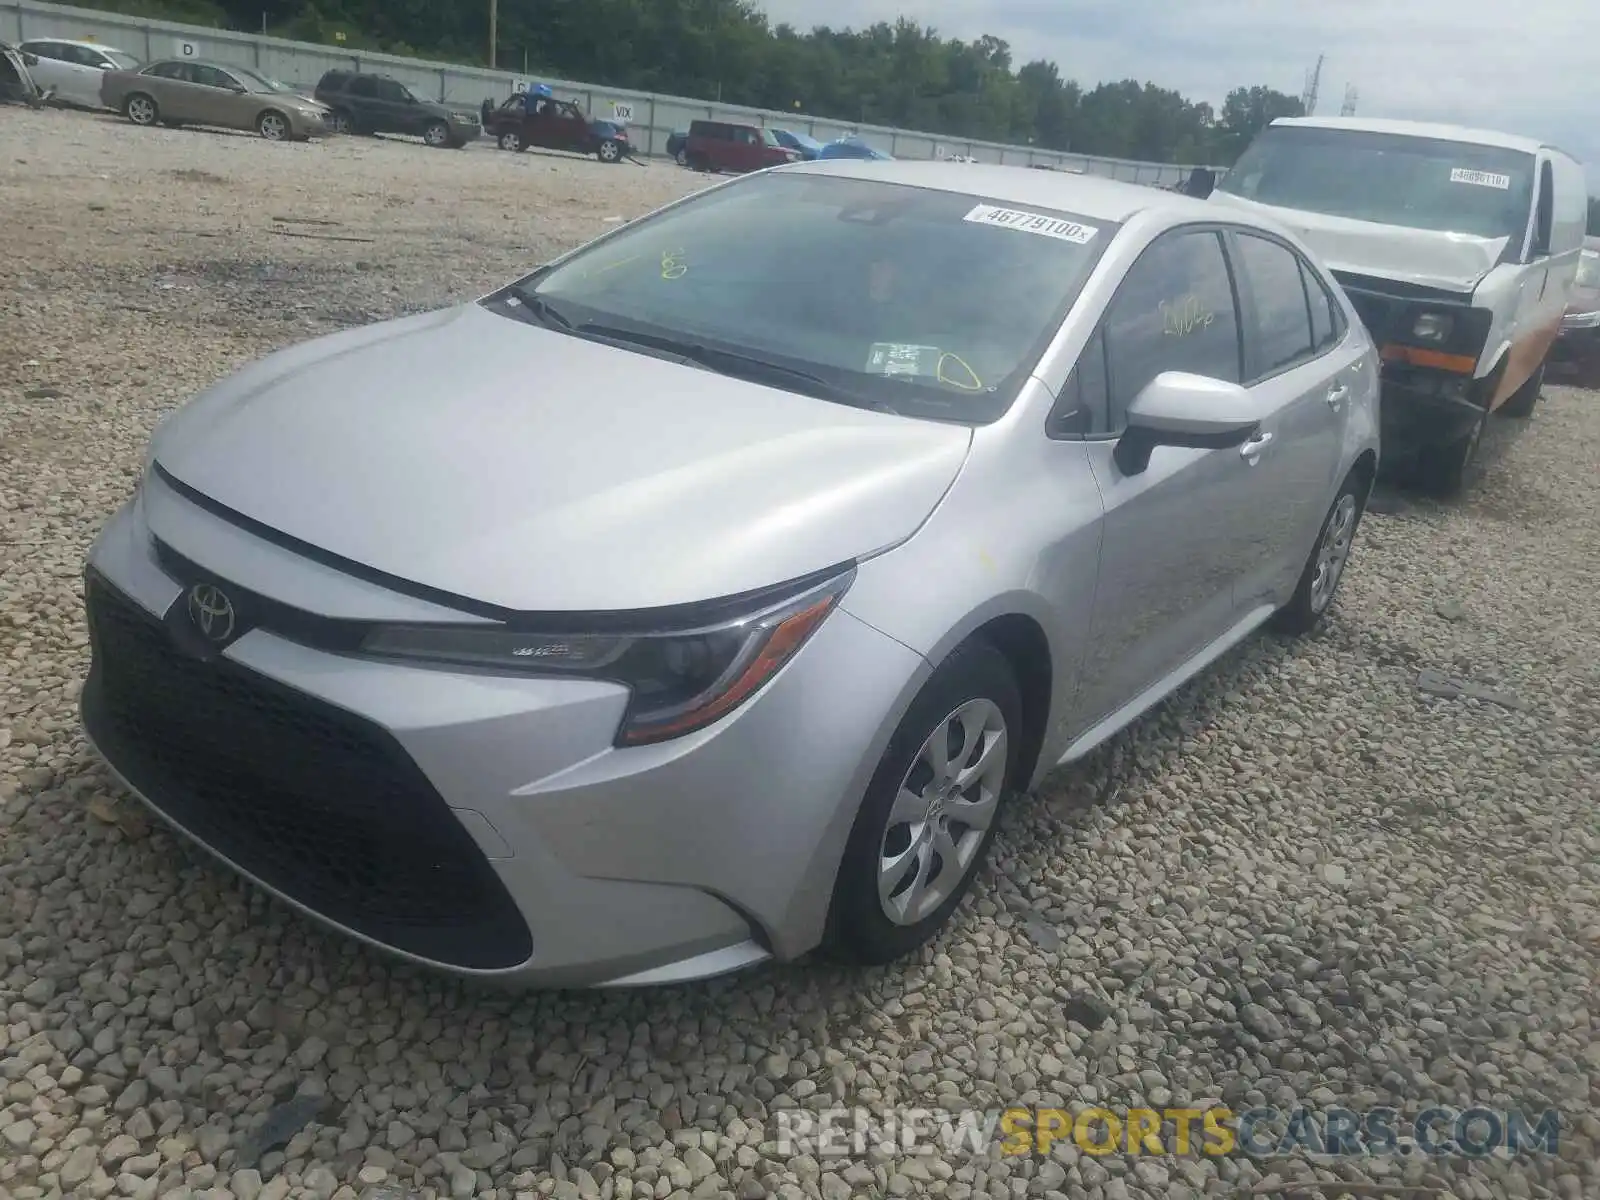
273,126
1313,596
437,135
511,140
610,151
930,811
339,121
141,109
1520,403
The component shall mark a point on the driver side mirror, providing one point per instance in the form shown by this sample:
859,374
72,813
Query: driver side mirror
1190,411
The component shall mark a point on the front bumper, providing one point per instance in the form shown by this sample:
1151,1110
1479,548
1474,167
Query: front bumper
1422,406
483,825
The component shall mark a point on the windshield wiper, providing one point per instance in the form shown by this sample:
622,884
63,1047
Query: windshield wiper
736,365
540,309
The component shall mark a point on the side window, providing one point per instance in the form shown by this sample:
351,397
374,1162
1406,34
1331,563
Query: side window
166,70
392,91
364,86
52,50
211,77
1175,311
1282,334
1544,213
1326,327
1081,407
82,56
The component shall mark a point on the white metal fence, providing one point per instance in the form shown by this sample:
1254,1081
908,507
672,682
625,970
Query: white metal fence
650,118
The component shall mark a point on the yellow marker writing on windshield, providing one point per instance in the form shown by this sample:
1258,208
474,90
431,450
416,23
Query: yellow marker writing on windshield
975,386
672,264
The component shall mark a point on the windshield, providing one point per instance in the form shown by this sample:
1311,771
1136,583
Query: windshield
259,83
935,304
1392,179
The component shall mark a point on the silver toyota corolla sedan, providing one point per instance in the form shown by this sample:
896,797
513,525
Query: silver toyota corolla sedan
700,597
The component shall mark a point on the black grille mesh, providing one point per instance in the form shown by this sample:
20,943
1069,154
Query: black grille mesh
313,800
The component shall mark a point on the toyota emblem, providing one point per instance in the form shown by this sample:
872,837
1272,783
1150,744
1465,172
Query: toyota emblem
212,612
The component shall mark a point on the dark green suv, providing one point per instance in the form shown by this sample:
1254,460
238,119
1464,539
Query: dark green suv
360,102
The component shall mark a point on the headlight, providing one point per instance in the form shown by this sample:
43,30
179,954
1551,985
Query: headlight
681,680
1433,327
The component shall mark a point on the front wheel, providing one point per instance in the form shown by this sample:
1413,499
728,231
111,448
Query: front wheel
610,151
510,141
1446,468
273,126
141,109
340,122
1520,403
1313,596
681,158
930,811
437,135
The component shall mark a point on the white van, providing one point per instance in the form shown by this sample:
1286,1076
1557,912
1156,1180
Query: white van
1458,247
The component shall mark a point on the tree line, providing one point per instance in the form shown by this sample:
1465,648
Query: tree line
902,74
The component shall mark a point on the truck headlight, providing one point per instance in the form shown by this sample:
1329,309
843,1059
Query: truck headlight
681,679
1433,327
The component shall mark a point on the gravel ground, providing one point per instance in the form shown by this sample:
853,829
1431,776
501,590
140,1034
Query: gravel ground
1303,880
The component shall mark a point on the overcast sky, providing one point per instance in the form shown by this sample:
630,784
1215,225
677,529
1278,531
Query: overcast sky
1529,67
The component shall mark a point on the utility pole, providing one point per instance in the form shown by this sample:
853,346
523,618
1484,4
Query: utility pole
1308,98
494,28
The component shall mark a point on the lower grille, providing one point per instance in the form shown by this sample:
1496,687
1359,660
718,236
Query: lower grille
313,800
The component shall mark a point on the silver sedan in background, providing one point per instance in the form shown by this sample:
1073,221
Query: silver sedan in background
75,69
186,91
702,596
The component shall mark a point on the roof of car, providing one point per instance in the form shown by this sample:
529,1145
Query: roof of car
1091,196
1448,133
75,42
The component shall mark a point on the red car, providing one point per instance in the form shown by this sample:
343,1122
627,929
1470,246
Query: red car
724,146
533,120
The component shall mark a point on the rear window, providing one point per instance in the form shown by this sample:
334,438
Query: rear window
1390,179
935,303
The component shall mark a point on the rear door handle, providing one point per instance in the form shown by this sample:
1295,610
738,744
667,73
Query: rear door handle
1337,395
1251,450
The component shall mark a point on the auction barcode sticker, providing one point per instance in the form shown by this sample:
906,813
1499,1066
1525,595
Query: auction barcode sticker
1480,178
1011,218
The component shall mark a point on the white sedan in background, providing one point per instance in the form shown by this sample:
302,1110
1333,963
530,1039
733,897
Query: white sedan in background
74,68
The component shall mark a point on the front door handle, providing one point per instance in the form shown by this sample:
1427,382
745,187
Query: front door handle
1337,395
1251,450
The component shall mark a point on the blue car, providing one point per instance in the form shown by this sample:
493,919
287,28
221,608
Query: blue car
807,147
853,147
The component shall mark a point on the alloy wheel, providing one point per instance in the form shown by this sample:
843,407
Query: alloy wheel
943,809
273,127
610,152
1333,551
142,110
436,135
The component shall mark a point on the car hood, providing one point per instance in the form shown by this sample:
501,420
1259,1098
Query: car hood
1453,261
499,461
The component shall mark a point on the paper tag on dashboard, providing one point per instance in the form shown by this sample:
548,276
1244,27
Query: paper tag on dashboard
1480,178
1013,218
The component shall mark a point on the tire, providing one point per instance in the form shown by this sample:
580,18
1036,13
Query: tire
1519,404
681,158
340,121
1330,554
609,151
437,135
699,162
274,126
142,109
1444,470
973,689
511,140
